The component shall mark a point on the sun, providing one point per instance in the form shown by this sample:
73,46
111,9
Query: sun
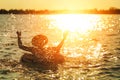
75,23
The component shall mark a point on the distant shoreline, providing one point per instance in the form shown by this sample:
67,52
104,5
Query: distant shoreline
112,10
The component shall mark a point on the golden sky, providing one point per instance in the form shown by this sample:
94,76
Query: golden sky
58,4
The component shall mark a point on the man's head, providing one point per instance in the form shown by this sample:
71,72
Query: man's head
39,40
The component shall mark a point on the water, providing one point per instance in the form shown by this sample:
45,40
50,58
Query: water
92,47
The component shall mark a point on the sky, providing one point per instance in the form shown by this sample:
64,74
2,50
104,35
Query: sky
58,4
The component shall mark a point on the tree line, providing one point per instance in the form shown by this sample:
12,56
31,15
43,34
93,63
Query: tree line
111,10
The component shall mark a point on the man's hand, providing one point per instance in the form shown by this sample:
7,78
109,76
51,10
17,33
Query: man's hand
18,33
65,34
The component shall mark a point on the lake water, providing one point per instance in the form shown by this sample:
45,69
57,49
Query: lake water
92,47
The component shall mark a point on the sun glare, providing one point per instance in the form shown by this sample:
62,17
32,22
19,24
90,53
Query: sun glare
80,42
75,23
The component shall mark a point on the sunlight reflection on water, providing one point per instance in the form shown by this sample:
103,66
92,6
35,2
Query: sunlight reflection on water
92,46
82,30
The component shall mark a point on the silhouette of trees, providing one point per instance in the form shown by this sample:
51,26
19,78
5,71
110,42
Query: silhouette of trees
111,10
3,11
114,10
27,11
